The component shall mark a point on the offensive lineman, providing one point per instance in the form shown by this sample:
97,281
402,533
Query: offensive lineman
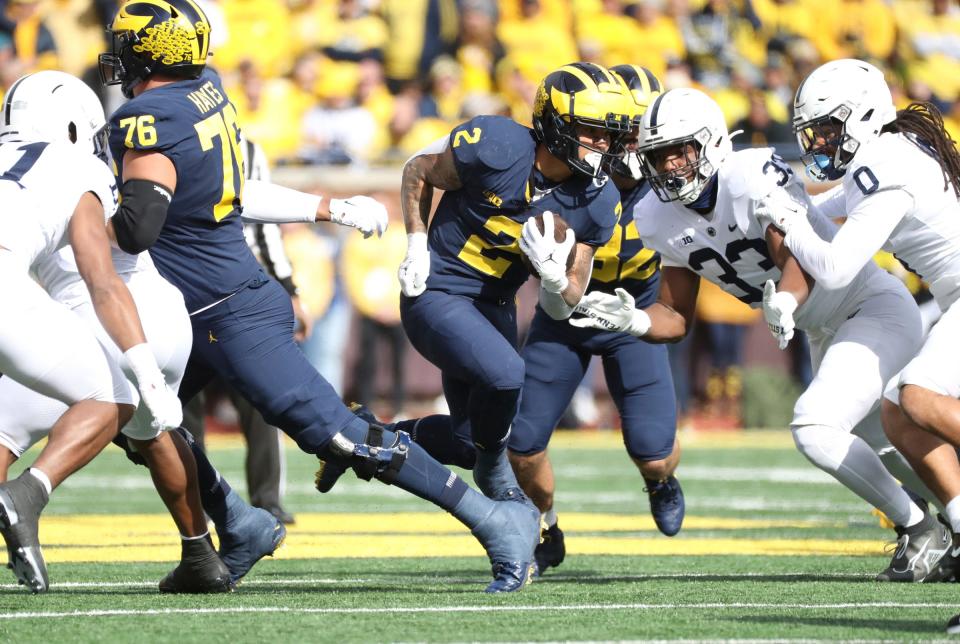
704,222
176,145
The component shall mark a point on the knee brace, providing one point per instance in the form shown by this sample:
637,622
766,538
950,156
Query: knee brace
370,458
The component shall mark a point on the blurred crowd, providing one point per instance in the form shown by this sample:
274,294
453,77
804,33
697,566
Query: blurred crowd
368,82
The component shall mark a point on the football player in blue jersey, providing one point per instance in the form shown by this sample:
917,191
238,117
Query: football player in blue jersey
556,356
176,144
462,270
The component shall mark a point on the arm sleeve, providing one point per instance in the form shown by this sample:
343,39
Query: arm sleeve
832,203
554,305
141,215
269,203
835,263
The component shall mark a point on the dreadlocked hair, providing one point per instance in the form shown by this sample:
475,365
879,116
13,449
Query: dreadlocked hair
925,122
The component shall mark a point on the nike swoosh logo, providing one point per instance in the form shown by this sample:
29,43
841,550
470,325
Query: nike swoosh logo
955,552
732,228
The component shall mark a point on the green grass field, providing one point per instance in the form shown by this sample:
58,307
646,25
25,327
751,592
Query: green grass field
772,549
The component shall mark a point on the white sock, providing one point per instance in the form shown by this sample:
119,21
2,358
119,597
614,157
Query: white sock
953,514
43,478
549,518
202,536
851,461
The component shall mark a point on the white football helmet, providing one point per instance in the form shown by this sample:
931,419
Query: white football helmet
54,106
683,121
840,106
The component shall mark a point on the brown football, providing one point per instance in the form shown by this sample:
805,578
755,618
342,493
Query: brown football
559,234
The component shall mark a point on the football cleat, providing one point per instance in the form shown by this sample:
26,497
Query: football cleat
327,475
666,504
551,550
509,534
948,568
21,501
200,571
250,535
329,472
953,626
919,549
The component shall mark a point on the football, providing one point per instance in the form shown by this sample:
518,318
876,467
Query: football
559,234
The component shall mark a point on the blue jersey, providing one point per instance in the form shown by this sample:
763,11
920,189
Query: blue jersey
624,262
201,248
474,232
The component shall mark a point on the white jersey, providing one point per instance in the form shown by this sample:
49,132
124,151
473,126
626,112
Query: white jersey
893,193
55,175
728,246
54,265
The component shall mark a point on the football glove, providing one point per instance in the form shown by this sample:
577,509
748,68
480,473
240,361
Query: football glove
546,254
159,398
415,268
612,313
781,210
363,213
778,308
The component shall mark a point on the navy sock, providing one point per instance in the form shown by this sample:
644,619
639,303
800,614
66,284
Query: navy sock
491,414
439,439
214,489
420,474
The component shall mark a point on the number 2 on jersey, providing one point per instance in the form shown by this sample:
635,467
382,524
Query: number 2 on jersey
472,252
223,125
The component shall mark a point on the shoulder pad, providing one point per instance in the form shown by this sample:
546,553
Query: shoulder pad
754,173
149,123
495,142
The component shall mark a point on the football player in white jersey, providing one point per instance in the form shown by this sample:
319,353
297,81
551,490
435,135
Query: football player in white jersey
45,346
900,185
56,106
701,217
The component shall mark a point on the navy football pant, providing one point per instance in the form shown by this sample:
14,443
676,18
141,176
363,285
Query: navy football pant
473,342
248,341
638,377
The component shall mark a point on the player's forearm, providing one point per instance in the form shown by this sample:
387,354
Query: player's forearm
416,196
666,325
116,311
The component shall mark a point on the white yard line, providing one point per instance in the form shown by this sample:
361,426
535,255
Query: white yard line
463,609
320,581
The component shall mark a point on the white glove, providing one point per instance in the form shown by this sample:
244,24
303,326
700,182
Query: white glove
159,398
415,267
363,213
781,210
548,257
778,308
612,313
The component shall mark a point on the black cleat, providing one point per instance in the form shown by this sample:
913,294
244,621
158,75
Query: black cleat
551,550
666,504
919,549
953,626
21,501
200,571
